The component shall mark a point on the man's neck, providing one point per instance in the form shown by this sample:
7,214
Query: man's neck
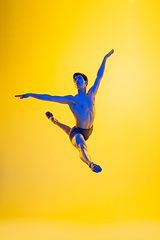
82,91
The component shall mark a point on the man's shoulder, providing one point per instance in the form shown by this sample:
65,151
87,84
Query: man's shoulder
91,92
69,97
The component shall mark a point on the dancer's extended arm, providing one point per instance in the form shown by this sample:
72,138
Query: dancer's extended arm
59,99
100,73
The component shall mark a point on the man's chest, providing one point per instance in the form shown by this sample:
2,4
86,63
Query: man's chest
83,103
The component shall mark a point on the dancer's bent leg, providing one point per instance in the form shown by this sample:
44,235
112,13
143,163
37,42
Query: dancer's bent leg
79,142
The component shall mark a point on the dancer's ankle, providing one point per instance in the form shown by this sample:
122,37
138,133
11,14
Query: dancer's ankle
90,164
54,120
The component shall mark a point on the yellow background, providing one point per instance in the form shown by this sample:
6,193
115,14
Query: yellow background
43,183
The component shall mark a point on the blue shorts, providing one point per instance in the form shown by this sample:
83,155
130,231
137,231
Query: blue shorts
85,132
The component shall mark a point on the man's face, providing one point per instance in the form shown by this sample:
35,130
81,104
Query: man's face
79,82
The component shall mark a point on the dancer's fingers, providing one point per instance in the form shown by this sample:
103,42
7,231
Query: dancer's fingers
18,95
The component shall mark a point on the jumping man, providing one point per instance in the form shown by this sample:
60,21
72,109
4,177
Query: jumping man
82,106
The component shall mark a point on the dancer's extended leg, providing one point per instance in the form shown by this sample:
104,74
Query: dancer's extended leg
79,142
64,127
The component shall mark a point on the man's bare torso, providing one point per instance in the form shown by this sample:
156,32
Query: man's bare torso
83,109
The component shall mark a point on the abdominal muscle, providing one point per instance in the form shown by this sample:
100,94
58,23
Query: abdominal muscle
85,124
84,120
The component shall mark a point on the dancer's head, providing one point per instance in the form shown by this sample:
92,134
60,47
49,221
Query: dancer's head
80,79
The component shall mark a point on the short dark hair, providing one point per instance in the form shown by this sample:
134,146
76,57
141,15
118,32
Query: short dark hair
83,75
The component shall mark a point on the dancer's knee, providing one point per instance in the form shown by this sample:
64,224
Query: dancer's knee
82,146
79,142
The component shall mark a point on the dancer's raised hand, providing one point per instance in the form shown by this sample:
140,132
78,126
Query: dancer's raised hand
110,53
